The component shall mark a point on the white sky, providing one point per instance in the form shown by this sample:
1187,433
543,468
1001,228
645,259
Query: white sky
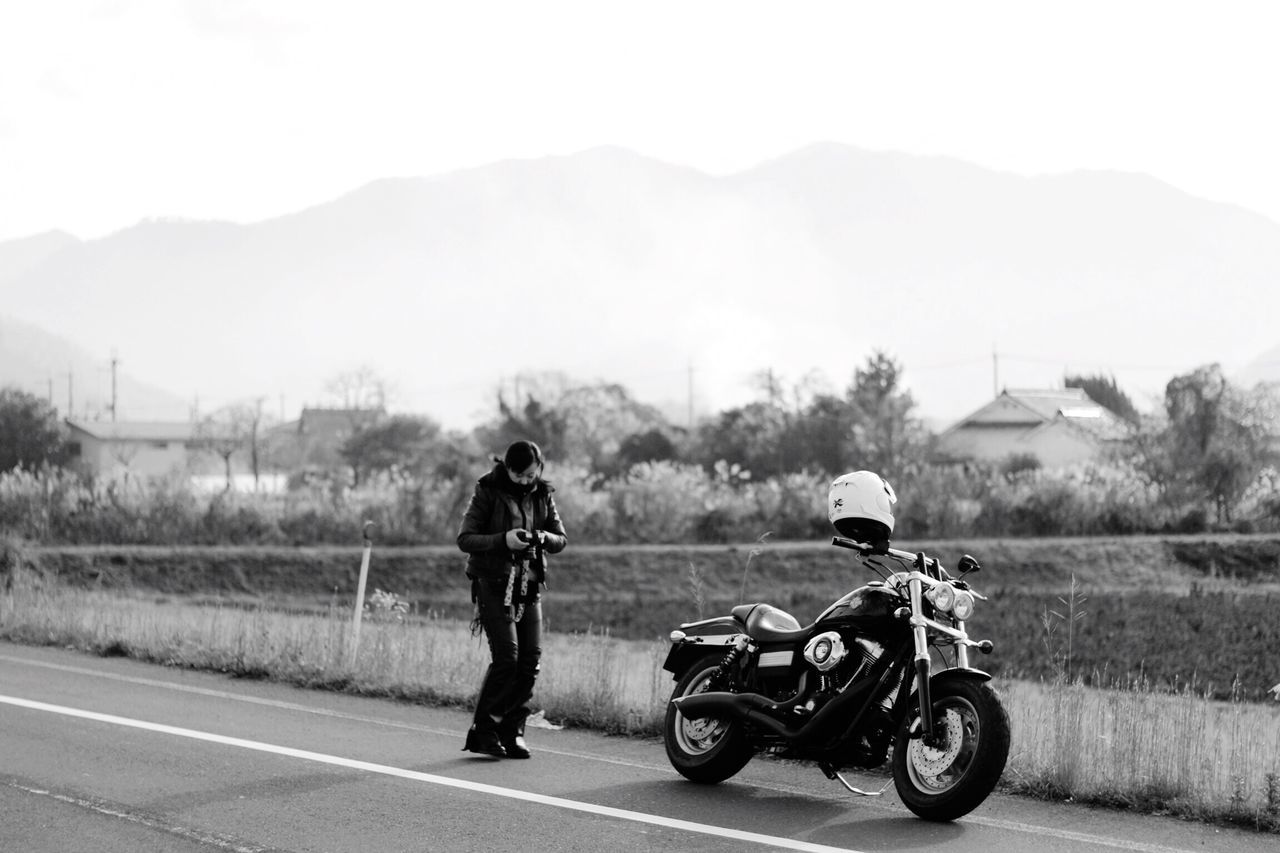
116,110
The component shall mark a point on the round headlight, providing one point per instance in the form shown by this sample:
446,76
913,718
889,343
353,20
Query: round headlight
944,596
963,608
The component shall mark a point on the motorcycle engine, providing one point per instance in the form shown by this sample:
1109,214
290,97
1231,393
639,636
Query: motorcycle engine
825,651
838,663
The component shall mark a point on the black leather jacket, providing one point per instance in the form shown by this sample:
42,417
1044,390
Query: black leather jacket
498,506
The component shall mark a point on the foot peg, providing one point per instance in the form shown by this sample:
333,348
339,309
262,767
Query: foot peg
831,773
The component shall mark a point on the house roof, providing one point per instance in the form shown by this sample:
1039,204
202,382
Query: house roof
1048,403
1035,407
136,430
149,430
336,421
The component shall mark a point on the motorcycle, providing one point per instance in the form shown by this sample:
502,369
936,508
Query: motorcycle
855,689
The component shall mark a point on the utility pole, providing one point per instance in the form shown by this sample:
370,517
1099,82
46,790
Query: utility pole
70,400
995,372
691,395
114,363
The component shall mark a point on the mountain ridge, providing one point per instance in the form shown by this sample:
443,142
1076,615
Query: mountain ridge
608,264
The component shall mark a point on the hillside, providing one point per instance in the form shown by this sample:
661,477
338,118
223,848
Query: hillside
615,266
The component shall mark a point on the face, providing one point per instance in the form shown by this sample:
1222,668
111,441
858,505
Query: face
525,477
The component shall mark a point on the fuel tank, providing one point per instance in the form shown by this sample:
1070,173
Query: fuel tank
868,610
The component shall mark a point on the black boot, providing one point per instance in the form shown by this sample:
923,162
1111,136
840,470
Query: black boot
485,742
511,736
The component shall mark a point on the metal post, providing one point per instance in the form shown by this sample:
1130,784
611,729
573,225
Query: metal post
364,576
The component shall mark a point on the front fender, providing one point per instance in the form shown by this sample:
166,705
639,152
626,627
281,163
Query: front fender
957,674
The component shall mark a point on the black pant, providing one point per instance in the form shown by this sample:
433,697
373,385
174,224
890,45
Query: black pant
515,649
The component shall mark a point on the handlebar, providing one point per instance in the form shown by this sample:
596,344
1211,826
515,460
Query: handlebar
873,551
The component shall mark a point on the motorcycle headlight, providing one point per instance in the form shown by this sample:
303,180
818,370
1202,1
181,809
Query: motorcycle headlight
963,607
944,597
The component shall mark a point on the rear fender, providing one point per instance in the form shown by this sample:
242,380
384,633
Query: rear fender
695,640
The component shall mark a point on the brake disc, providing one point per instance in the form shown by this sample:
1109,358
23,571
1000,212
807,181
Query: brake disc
934,760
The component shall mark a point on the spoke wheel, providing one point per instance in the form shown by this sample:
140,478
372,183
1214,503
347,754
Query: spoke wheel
710,749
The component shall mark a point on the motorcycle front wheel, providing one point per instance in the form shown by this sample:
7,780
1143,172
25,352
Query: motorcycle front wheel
709,750
952,776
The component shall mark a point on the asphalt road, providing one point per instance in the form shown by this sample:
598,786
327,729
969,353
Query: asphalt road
111,755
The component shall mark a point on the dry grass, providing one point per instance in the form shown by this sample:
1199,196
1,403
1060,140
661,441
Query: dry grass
1176,753
595,681
1131,748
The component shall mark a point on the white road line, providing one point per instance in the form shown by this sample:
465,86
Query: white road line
995,823
206,838
494,790
309,709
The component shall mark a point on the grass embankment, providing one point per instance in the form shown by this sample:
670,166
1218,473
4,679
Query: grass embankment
1133,748
1171,610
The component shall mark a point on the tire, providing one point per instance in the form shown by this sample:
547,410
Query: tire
709,750
945,782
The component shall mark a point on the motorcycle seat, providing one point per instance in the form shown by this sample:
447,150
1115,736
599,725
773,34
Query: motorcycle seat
767,624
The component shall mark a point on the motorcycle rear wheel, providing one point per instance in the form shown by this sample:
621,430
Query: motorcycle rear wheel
951,778
709,750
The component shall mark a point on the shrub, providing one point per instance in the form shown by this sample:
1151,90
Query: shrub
654,502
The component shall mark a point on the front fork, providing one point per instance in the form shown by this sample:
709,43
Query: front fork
923,661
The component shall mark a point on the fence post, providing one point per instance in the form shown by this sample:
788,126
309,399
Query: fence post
364,576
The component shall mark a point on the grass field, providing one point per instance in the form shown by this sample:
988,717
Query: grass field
1170,609
1134,748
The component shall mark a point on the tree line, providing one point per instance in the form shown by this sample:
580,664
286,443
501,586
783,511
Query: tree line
1205,460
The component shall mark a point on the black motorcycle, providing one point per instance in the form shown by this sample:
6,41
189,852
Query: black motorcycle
855,689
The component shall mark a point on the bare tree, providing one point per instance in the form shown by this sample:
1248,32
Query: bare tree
237,428
360,388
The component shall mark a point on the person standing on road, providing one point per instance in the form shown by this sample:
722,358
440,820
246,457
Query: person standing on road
510,525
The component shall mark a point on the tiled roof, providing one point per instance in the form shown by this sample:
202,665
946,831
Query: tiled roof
136,430
1043,407
1048,403
148,430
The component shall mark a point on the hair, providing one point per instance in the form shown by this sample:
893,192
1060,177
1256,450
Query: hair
522,454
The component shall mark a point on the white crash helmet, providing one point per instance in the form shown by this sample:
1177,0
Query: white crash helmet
860,505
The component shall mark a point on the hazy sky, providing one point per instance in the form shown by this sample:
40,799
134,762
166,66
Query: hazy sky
116,110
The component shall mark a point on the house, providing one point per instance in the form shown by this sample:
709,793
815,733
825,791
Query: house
315,439
1057,427
140,448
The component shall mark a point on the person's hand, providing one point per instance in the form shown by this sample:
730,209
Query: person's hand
518,540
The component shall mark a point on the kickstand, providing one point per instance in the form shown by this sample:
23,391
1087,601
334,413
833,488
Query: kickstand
832,773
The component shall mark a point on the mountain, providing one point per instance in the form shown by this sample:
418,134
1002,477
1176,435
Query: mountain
19,256
680,285
76,382
1263,369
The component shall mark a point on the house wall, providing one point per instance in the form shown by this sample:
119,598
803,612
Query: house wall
1055,445
985,443
140,458
1058,445
147,458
